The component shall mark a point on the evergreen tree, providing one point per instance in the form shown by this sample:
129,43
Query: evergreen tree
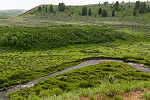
84,11
116,5
104,13
39,9
61,7
51,8
143,7
46,9
100,11
148,9
105,2
90,12
137,5
113,13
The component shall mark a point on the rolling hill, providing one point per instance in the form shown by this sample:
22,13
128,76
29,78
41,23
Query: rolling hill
72,15
4,14
40,42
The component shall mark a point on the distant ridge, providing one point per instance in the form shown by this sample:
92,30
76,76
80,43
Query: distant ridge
4,14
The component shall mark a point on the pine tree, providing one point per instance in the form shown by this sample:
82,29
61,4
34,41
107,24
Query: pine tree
61,7
100,11
51,8
137,5
105,2
46,9
113,13
148,9
104,13
143,7
90,12
39,9
116,5
84,11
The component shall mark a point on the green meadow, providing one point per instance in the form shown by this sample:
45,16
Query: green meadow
39,43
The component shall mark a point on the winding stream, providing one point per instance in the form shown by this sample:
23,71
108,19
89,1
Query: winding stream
3,94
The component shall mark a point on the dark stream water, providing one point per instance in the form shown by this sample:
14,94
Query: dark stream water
3,94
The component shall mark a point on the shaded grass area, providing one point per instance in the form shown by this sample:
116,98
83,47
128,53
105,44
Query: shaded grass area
39,38
106,76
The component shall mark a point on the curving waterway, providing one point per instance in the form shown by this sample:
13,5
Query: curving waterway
3,94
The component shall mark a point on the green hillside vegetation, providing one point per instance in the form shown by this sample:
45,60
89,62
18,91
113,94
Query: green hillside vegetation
31,39
110,73
123,18
25,56
26,38
50,38
123,10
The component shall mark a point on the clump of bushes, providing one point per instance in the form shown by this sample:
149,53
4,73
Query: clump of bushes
25,38
86,84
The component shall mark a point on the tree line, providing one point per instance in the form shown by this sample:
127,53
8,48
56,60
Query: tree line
140,7
85,11
102,12
61,7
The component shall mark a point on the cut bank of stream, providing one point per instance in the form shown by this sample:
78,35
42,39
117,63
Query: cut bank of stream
3,94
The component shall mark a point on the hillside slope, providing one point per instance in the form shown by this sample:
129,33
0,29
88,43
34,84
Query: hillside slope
72,15
4,14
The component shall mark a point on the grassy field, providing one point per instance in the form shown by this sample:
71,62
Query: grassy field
21,62
28,52
19,67
36,44
123,18
108,76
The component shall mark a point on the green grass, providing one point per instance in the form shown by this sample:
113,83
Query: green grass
28,53
26,38
32,65
122,19
39,44
146,96
89,77
121,88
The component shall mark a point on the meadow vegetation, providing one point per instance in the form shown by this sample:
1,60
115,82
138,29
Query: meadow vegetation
21,65
111,75
50,38
26,38
123,17
28,53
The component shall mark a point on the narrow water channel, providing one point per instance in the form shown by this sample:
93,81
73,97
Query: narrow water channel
3,94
